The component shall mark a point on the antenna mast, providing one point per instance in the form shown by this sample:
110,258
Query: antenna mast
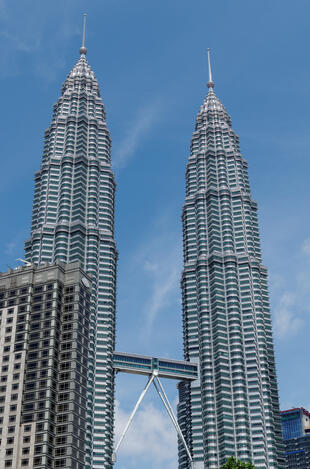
210,82
83,49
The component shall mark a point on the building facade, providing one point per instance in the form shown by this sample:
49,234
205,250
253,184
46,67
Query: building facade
296,436
44,344
233,408
73,220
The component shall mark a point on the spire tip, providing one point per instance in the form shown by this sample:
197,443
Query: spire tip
83,49
210,83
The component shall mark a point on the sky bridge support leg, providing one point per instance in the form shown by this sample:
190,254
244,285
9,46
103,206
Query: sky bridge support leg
148,384
165,401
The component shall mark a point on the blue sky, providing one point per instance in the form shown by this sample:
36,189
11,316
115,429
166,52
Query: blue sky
150,60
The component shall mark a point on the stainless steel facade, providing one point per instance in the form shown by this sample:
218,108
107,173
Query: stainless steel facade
73,220
233,407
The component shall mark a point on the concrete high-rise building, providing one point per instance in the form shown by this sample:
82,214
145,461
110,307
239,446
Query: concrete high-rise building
296,436
233,408
295,423
73,220
44,349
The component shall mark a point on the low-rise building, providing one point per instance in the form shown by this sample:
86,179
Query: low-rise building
296,436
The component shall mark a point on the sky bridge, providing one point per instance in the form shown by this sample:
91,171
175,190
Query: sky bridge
143,365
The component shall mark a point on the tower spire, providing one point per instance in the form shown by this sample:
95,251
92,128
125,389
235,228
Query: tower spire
210,82
83,49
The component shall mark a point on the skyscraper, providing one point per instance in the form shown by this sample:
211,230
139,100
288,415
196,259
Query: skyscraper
73,220
233,407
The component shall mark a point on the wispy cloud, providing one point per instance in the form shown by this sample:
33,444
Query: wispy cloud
3,10
291,296
135,133
49,65
287,320
20,43
153,276
306,247
151,439
49,72
160,258
41,33
149,291
165,275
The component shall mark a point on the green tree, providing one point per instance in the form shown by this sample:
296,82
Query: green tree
233,463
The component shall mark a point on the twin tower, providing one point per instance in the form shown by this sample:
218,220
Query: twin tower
232,407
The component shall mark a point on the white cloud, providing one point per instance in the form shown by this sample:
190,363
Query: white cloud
290,292
160,258
28,30
151,439
165,279
155,268
150,266
22,44
136,131
3,9
50,72
276,280
306,247
287,320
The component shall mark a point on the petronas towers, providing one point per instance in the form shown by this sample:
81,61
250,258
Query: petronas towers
233,407
73,220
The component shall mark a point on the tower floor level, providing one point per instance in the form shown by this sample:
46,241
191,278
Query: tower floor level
232,409
73,220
